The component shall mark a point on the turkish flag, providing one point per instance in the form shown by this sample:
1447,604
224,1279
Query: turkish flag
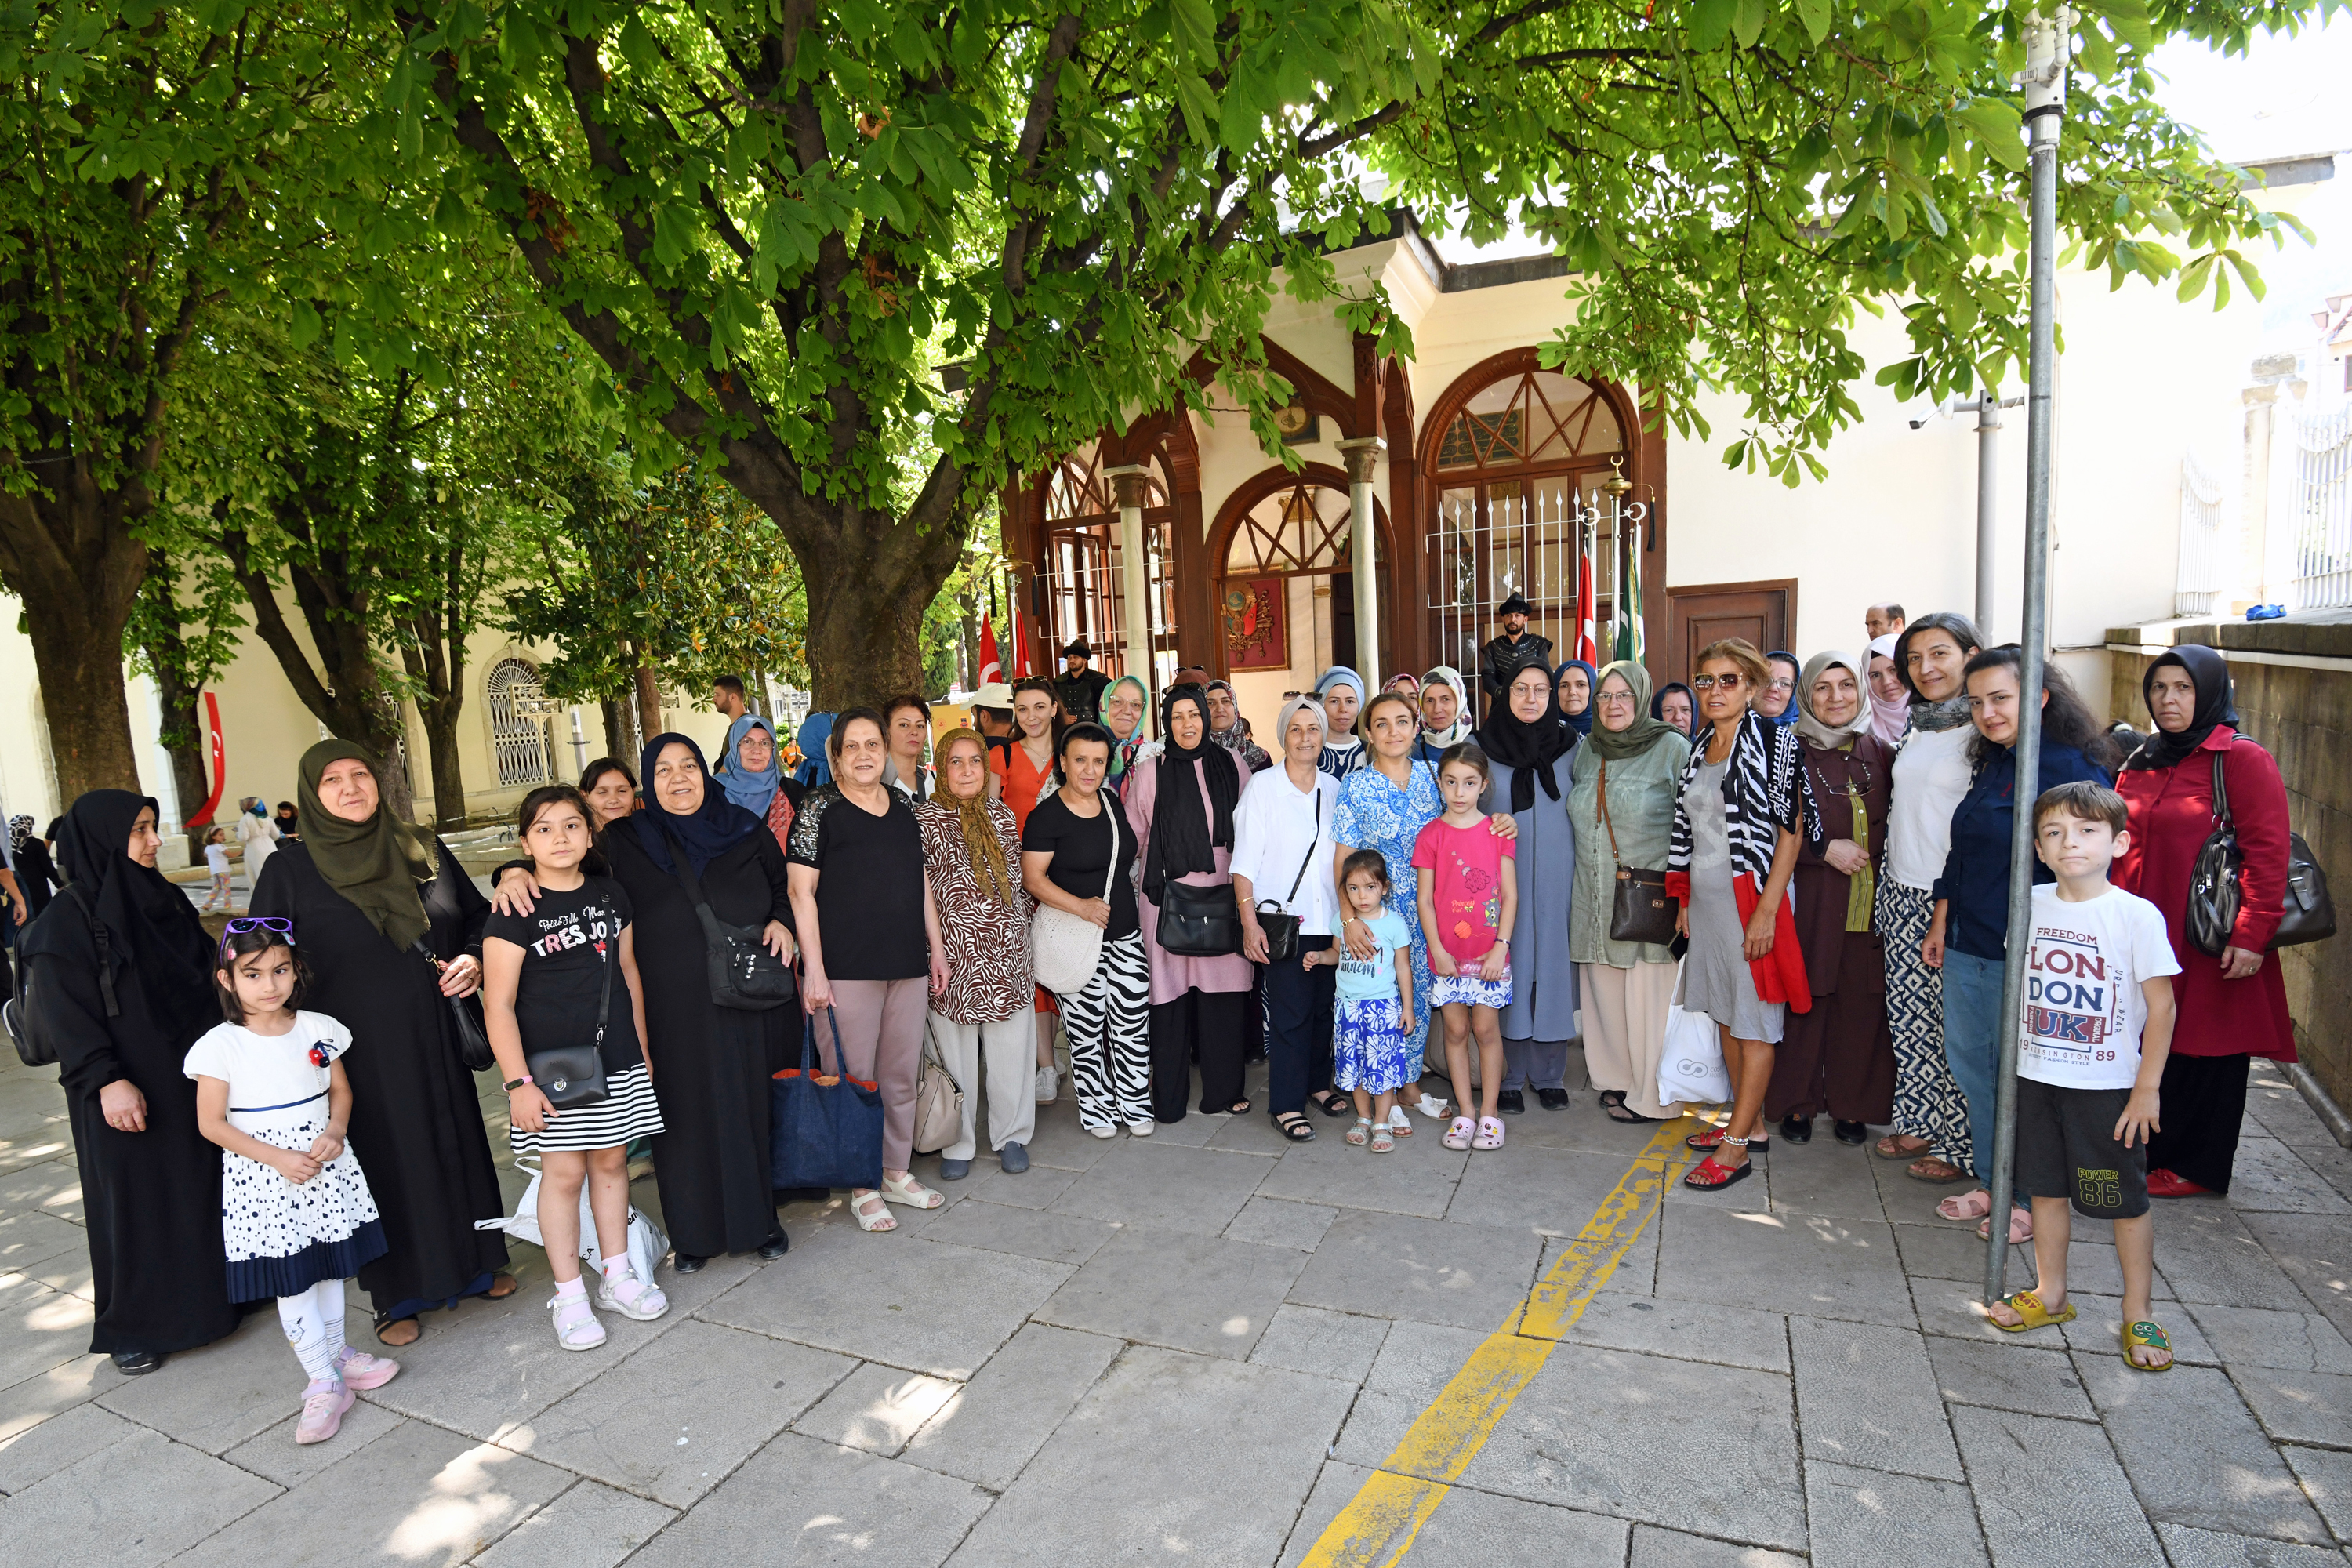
991,668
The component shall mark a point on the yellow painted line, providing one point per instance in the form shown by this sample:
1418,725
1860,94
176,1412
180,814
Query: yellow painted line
1378,1526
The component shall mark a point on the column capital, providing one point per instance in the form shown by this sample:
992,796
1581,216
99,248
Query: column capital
1127,483
1360,453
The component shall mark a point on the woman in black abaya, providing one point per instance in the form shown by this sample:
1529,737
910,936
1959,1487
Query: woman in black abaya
711,1064
361,889
151,1184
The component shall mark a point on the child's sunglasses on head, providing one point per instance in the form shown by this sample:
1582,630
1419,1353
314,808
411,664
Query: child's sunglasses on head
277,924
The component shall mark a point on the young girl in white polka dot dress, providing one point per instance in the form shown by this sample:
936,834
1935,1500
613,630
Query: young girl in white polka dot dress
295,1207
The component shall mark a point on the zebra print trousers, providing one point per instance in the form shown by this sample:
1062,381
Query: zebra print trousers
1927,1099
1109,1026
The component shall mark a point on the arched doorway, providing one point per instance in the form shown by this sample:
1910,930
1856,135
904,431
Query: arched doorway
1283,591
1509,454
1080,568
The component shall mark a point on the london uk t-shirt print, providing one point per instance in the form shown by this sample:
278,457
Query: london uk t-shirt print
2085,1010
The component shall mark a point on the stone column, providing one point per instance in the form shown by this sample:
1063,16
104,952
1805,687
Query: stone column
1360,453
1135,580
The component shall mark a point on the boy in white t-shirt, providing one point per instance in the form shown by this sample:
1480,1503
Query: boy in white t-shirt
2097,1028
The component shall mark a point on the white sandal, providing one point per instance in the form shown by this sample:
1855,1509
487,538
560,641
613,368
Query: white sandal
878,1218
1361,1133
582,1332
1399,1123
908,1192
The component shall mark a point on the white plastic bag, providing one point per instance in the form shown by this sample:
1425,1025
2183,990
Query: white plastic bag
1691,1068
647,1244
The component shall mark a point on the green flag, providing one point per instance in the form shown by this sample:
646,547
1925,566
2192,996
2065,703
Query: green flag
1630,642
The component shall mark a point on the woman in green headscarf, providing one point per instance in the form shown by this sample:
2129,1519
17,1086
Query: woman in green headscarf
365,891
1625,987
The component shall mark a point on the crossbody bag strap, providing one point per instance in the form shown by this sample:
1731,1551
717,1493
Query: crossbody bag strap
1110,820
2221,794
611,956
104,944
1305,860
687,879
1604,814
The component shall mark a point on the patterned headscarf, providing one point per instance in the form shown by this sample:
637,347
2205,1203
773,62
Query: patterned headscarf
20,833
1447,675
980,840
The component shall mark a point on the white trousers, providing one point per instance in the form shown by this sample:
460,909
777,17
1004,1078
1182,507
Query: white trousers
1009,1050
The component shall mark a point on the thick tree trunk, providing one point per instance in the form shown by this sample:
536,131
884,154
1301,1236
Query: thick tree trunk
72,561
439,717
620,736
865,640
649,704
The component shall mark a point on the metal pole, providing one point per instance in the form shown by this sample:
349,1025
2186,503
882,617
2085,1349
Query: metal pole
1360,453
2047,43
1987,483
1135,580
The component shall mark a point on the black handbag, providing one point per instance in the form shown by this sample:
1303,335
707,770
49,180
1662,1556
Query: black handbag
1197,922
473,1039
2307,913
744,973
574,1074
1643,909
1279,925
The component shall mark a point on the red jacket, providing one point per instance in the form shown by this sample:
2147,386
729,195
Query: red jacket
2171,816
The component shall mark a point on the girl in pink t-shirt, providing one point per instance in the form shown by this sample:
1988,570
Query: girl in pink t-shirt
1469,901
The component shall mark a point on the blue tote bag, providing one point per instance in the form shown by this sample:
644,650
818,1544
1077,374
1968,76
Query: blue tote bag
824,1134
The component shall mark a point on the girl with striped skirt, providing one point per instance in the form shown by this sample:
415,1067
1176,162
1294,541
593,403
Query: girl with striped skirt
562,976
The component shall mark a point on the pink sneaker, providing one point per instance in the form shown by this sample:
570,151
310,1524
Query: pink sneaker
361,1370
324,1404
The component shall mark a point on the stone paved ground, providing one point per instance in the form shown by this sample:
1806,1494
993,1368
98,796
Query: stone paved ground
1197,1348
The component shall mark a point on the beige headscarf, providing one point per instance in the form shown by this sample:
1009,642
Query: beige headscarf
1809,723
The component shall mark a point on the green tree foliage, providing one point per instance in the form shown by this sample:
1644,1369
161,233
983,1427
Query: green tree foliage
772,220
675,571
153,157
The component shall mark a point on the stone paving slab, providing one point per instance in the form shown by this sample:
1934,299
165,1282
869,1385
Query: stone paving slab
680,1413
877,1408
1656,1547
2050,1493
2194,1454
1166,1448
1813,1265
2326,1478
37,1453
1198,1293
1685,1330
1708,1450
996,1423
2189,1548
1165,1186
457,1498
140,1500
1868,1397
1869,1519
1432,1271
590,1526
807,1504
1275,1223
1329,1345
1418,1178
2271,1175
2033,1380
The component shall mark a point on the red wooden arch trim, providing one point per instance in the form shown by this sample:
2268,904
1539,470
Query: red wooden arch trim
1313,388
1273,481
1520,362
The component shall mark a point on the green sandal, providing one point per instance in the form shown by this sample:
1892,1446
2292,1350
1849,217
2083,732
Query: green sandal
2149,1335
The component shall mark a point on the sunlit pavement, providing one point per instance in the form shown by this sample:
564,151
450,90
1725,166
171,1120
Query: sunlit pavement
1200,1347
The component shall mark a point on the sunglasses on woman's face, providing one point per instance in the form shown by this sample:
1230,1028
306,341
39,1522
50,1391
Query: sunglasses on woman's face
1709,682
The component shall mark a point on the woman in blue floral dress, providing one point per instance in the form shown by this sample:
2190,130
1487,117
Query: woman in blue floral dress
1383,807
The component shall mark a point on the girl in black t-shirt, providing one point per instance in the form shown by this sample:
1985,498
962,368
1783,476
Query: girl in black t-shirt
564,975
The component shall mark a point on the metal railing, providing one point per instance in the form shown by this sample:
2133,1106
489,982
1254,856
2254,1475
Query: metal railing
2206,540
2322,509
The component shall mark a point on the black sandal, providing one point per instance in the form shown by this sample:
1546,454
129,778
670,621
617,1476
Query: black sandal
383,1323
1625,1116
1611,1098
1334,1103
1295,1126
1238,1108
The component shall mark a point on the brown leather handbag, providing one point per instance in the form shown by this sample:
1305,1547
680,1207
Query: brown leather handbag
1643,911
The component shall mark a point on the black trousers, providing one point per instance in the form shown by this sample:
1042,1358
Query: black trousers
1203,1025
1299,1007
2204,1100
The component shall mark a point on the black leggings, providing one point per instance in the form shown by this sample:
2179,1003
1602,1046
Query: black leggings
2204,1104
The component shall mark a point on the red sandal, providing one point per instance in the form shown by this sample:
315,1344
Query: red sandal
1709,1175
1713,1136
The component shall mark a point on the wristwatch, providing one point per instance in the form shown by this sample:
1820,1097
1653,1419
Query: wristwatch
516,1083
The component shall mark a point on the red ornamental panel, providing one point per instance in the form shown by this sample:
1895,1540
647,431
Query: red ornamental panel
1256,634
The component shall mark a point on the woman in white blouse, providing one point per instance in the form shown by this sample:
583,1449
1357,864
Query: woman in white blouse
1282,853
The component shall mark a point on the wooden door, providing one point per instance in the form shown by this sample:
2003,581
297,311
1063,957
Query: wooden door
1763,613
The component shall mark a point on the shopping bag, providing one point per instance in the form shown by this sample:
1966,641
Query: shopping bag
1691,1068
826,1132
647,1244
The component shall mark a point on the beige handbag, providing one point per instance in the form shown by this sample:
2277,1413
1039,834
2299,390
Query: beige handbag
1064,948
938,1108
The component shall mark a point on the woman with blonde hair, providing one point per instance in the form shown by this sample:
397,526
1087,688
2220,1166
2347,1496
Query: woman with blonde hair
1734,850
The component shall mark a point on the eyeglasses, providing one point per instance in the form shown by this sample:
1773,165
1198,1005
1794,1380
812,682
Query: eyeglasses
1709,682
1616,699
278,923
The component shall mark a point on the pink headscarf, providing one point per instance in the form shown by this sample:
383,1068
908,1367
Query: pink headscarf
1887,720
